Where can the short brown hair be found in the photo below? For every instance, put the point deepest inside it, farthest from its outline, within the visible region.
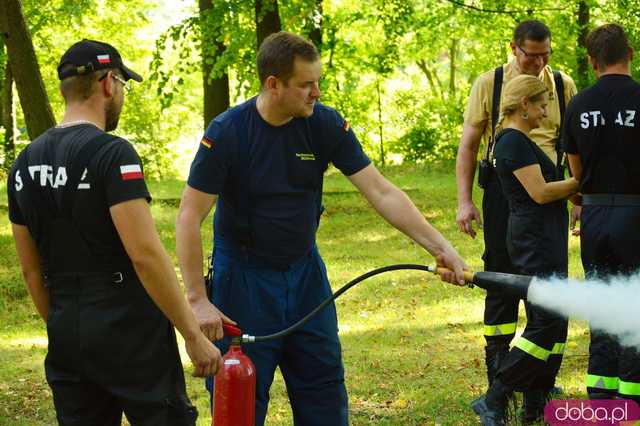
(533, 30)
(79, 88)
(608, 45)
(278, 53)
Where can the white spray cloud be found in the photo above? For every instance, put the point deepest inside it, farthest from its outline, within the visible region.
(613, 308)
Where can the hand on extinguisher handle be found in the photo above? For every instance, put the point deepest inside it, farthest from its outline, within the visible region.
(205, 357)
(442, 271)
(209, 318)
(468, 275)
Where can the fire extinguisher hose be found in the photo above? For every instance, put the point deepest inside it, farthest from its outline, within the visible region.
(249, 339)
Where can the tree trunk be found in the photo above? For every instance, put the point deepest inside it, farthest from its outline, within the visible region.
(26, 72)
(3, 65)
(267, 19)
(216, 89)
(314, 28)
(8, 117)
(453, 52)
(583, 30)
(434, 82)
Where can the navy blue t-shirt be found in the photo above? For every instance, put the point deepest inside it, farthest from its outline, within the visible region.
(286, 167)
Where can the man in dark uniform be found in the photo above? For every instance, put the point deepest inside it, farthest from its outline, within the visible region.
(531, 48)
(602, 135)
(94, 265)
(263, 162)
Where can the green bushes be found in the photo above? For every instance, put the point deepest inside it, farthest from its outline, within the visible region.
(433, 131)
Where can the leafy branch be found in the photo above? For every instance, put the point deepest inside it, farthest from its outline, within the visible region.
(528, 11)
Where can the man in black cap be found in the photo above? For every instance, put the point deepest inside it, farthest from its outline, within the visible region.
(93, 262)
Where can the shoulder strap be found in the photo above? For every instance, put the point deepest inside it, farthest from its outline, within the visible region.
(243, 226)
(32, 189)
(557, 77)
(498, 75)
(23, 166)
(80, 163)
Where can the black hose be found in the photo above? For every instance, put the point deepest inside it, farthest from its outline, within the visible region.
(333, 297)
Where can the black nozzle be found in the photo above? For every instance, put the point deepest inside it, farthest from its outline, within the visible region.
(509, 284)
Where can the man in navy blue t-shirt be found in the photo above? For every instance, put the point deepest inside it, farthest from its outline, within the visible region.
(263, 162)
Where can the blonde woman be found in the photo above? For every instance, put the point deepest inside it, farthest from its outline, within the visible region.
(537, 243)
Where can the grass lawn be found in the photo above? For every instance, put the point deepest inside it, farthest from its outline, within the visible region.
(413, 347)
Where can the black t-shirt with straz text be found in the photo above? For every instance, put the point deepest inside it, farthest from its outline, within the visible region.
(513, 151)
(113, 175)
(286, 166)
(602, 126)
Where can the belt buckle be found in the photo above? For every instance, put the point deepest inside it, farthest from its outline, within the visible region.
(118, 278)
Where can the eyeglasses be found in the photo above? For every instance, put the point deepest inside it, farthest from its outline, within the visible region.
(125, 85)
(543, 56)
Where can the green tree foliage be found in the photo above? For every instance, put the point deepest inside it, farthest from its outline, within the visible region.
(399, 71)
(56, 24)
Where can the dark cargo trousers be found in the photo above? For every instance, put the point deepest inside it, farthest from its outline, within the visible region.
(500, 311)
(609, 247)
(537, 241)
(111, 350)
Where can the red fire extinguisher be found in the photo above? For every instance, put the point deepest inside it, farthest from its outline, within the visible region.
(234, 387)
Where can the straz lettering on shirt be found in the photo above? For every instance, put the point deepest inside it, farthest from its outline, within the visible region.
(624, 118)
(43, 174)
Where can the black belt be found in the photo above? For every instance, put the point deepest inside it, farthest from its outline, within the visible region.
(108, 277)
(618, 200)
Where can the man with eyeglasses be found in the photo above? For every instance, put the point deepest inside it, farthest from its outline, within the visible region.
(531, 48)
(94, 265)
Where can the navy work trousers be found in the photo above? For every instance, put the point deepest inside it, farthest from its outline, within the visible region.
(264, 300)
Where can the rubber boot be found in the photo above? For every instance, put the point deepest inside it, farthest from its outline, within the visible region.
(533, 403)
(494, 354)
(492, 406)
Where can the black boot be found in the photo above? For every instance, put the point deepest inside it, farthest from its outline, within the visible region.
(556, 392)
(533, 403)
(494, 354)
(492, 407)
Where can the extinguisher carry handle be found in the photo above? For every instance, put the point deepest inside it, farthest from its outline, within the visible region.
(231, 330)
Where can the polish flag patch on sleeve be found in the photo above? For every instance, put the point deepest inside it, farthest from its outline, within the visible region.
(131, 171)
(104, 59)
(345, 126)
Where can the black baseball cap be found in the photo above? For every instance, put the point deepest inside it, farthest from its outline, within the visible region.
(89, 56)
